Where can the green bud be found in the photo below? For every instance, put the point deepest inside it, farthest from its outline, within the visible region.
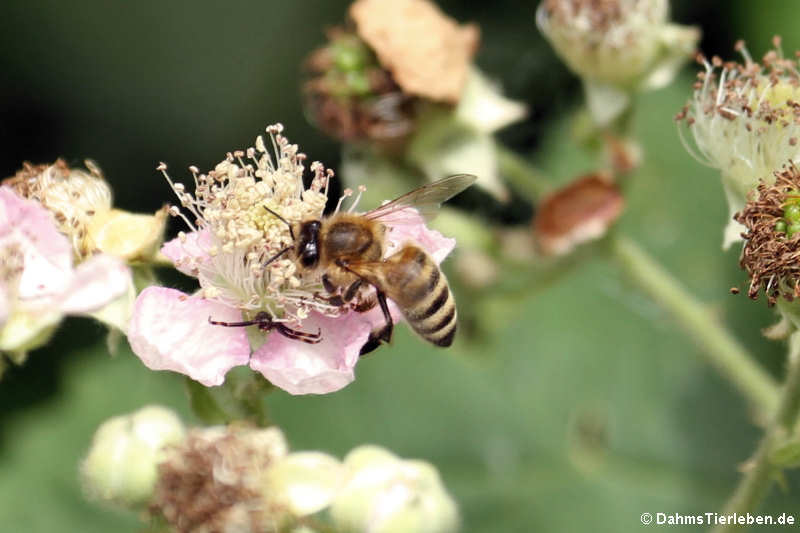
(121, 466)
(792, 212)
(780, 226)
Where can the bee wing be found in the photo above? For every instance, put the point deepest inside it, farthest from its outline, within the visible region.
(426, 199)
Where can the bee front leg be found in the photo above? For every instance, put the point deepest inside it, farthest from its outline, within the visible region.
(382, 334)
(351, 291)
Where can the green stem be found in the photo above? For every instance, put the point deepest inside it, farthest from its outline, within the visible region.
(521, 174)
(719, 346)
(761, 471)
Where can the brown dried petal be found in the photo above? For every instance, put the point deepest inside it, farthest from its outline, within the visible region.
(580, 212)
(771, 258)
(427, 52)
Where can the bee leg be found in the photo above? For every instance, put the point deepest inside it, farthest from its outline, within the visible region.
(330, 288)
(310, 338)
(382, 334)
(262, 320)
(362, 306)
(351, 291)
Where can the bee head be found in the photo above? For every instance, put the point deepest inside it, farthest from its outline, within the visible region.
(308, 243)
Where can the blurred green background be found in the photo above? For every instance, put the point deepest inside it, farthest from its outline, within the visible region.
(585, 408)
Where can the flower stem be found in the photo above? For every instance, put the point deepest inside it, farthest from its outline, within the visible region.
(719, 346)
(756, 482)
(521, 174)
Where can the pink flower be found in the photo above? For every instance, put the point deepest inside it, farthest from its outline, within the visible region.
(38, 282)
(234, 237)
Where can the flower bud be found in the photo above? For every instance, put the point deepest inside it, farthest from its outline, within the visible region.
(304, 482)
(121, 466)
(385, 494)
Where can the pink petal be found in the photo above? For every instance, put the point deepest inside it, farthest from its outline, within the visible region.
(96, 282)
(169, 330)
(301, 368)
(188, 253)
(47, 254)
(409, 226)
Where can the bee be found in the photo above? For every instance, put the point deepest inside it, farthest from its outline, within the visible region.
(347, 251)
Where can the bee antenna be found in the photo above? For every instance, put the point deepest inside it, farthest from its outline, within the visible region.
(291, 231)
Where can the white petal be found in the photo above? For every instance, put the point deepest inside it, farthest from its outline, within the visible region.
(483, 106)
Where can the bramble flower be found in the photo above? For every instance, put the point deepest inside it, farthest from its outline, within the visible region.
(745, 121)
(233, 251)
(617, 47)
(38, 282)
(121, 465)
(82, 206)
(580, 212)
(385, 494)
(771, 219)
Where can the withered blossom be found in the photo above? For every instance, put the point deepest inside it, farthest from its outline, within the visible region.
(771, 252)
(428, 53)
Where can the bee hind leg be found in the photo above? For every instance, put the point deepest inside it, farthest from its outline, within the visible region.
(382, 334)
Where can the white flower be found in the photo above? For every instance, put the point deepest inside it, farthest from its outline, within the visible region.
(745, 121)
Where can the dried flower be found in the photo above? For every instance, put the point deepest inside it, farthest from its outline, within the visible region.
(351, 97)
(771, 253)
(745, 121)
(385, 494)
(616, 46)
(580, 212)
(121, 464)
(233, 238)
(81, 204)
(214, 479)
(427, 52)
(37, 279)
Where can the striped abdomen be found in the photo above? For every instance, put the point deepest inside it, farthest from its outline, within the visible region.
(412, 279)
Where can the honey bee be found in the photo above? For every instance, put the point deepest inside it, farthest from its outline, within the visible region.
(347, 251)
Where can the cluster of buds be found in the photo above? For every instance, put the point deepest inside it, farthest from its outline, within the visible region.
(239, 478)
(237, 250)
(745, 121)
(617, 47)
